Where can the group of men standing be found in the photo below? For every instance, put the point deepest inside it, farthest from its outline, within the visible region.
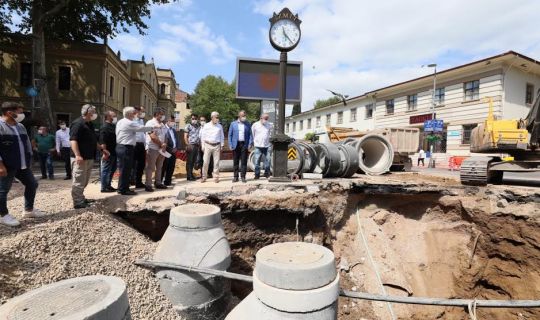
(139, 148)
(205, 141)
(128, 145)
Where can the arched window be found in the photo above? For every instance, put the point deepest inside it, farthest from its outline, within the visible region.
(162, 88)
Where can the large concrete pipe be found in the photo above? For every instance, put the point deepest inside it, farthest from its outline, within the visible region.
(195, 237)
(329, 159)
(292, 280)
(91, 297)
(349, 160)
(376, 154)
(310, 157)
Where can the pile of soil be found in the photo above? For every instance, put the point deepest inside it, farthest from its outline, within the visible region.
(73, 243)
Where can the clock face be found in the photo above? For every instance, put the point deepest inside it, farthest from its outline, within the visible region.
(285, 34)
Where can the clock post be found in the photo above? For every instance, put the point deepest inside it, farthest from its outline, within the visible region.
(284, 36)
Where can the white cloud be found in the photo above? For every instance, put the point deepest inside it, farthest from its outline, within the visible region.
(198, 34)
(167, 52)
(130, 44)
(357, 46)
(176, 8)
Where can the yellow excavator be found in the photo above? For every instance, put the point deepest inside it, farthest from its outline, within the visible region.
(518, 140)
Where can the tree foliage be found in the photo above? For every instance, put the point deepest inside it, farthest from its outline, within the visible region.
(321, 103)
(78, 20)
(296, 109)
(71, 20)
(311, 136)
(213, 93)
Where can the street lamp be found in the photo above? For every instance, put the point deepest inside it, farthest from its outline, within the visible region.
(431, 147)
(434, 66)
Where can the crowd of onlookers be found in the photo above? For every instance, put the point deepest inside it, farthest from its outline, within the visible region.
(128, 146)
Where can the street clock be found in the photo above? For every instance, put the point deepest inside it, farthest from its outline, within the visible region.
(285, 30)
(284, 36)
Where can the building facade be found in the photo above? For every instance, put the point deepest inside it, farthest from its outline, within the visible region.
(143, 85)
(509, 80)
(182, 110)
(166, 90)
(79, 73)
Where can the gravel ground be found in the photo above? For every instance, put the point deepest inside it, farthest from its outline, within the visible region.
(71, 243)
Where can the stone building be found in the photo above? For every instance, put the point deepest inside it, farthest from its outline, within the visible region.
(80, 73)
(182, 109)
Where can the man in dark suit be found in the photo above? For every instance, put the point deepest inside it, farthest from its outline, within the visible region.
(239, 141)
(172, 146)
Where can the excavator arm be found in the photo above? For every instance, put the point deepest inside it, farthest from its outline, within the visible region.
(532, 123)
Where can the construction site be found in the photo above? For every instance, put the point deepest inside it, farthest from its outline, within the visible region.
(352, 231)
(343, 223)
(398, 234)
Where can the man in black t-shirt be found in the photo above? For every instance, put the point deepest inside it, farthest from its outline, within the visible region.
(84, 145)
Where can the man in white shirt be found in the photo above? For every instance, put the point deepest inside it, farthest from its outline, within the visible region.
(212, 141)
(63, 147)
(261, 132)
(421, 157)
(155, 142)
(126, 133)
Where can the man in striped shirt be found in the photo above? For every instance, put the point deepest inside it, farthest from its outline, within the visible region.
(15, 162)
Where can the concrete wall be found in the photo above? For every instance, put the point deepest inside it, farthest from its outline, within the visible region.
(515, 83)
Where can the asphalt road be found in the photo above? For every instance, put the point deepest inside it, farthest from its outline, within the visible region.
(531, 179)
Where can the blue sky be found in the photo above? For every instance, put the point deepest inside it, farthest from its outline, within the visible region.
(349, 46)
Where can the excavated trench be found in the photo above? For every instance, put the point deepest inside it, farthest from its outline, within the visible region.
(470, 243)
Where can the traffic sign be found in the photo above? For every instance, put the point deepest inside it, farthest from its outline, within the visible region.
(292, 154)
(433, 126)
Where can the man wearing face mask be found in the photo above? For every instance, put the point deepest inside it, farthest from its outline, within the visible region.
(127, 130)
(261, 131)
(212, 139)
(139, 154)
(63, 147)
(15, 157)
(84, 145)
(192, 142)
(172, 146)
(107, 140)
(43, 144)
(239, 141)
(155, 142)
(202, 122)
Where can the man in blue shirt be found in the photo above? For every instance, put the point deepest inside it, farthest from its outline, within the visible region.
(239, 141)
(15, 157)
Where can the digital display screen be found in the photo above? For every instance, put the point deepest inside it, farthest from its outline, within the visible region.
(259, 80)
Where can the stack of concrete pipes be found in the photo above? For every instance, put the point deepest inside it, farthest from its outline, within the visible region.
(371, 154)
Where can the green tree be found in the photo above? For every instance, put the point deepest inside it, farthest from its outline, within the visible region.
(310, 136)
(213, 93)
(71, 20)
(296, 109)
(321, 103)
